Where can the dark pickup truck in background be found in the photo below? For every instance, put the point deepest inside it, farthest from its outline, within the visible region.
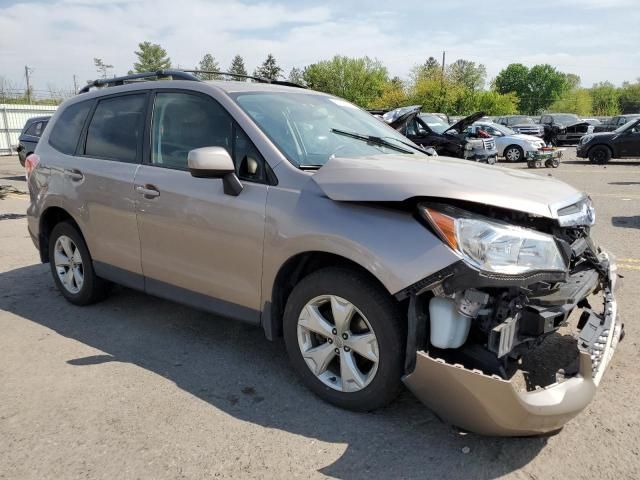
(616, 122)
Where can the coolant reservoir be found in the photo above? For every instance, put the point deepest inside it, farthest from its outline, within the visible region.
(449, 328)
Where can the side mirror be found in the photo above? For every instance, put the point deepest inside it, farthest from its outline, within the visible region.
(215, 162)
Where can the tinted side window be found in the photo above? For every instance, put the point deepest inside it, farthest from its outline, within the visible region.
(35, 130)
(182, 122)
(115, 131)
(66, 131)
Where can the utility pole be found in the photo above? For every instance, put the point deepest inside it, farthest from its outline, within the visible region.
(27, 71)
(442, 92)
(75, 84)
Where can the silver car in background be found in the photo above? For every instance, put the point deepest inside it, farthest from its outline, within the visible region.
(302, 214)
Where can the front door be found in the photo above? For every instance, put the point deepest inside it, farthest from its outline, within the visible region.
(628, 142)
(199, 245)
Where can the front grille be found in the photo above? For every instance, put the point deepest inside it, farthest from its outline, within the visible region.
(489, 144)
(528, 130)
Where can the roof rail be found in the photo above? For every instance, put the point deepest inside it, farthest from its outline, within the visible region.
(110, 82)
(252, 77)
(178, 75)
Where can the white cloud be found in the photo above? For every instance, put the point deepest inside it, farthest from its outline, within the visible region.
(60, 38)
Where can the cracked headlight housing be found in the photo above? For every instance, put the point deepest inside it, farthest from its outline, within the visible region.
(491, 245)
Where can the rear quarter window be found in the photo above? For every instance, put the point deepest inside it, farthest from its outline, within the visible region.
(67, 128)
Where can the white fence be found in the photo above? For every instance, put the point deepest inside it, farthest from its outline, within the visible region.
(13, 118)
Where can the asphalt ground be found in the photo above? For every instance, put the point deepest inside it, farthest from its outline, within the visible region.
(137, 387)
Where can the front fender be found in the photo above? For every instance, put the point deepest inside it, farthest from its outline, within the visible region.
(391, 244)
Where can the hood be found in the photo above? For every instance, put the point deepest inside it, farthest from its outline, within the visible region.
(398, 117)
(528, 138)
(460, 125)
(394, 178)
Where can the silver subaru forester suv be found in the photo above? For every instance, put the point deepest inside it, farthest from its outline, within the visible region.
(300, 213)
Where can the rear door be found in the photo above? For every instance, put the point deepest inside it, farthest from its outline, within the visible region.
(200, 246)
(101, 178)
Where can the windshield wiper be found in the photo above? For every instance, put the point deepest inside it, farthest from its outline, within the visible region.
(371, 139)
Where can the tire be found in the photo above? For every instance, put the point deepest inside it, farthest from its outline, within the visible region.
(375, 313)
(513, 153)
(91, 288)
(599, 154)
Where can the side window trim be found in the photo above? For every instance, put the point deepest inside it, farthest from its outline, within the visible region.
(82, 141)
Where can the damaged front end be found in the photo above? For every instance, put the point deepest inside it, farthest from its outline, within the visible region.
(514, 338)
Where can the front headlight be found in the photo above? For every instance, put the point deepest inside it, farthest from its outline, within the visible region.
(494, 246)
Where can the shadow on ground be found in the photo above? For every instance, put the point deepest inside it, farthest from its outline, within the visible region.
(235, 369)
(626, 222)
(629, 163)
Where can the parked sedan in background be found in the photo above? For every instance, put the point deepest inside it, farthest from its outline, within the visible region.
(521, 124)
(564, 128)
(513, 146)
(30, 136)
(616, 122)
(429, 130)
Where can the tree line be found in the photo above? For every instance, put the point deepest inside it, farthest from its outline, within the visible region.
(459, 88)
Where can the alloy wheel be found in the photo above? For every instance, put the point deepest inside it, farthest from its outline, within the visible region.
(513, 155)
(68, 262)
(337, 343)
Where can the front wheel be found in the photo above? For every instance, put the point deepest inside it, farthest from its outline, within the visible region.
(344, 336)
(514, 153)
(599, 154)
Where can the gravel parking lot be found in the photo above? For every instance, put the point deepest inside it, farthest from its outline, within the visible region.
(137, 387)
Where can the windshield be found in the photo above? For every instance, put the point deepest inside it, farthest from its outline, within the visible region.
(520, 120)
(565, 118)
(626, 126)
(311, 129)
(435, 123)
(496, 126)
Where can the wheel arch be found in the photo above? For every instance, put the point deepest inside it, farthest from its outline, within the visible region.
(606, 145)
(48, 220)
(291, 273)
(512, 145)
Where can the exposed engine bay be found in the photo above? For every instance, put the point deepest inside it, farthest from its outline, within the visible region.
(500, 325)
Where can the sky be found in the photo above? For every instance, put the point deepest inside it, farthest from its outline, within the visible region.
(596, 39)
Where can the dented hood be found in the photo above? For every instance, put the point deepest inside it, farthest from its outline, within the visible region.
(394, 178)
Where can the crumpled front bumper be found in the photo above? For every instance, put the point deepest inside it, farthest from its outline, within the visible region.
(490, 405)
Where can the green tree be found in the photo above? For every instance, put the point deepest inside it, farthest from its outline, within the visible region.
(605, 98)
(101, 67)
(237, 66)
(630, 97)
(360, 80)
(467, 73)
(269, 69)
(578, 101)
(573, 80)
(295, 76)
(537, 88)
(494, 103)
(429, 69)
(393, 95)
(151, 57)
(208, 63)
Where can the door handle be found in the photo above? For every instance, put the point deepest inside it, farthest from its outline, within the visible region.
(147, 191)
(74, 174)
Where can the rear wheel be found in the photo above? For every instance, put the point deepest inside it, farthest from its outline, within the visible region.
(344, 337)
(599, 154)
(72, 268)
(514, 153)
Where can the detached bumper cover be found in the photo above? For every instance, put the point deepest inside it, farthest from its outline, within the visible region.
(490, 405)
